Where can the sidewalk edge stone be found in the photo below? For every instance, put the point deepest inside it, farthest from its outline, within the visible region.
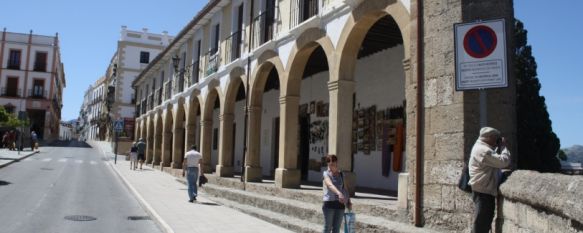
(18, 160)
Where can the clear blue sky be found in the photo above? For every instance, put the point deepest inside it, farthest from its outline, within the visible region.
(89, 31)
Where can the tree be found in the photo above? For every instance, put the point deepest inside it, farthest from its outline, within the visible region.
(537, 143)
(9, 120)
(562, 155)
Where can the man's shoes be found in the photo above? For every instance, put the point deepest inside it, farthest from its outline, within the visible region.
(190, 201)
(194, 199)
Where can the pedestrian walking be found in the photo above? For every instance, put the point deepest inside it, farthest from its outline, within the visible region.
(5, 140)
(141, 150)
(336, 197)
(33, 141)
(489, 155)
(134, 157)
(191, 166)
(12, 140)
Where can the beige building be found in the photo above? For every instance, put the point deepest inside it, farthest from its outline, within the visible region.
(363, 79)
(135, 50)
(32, 79)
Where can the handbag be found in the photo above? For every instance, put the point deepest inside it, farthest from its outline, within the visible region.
(464, 179)
(202, 180)
(349, 222)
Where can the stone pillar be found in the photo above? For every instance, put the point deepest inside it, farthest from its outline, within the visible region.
(190, 135)
(340, 128)
(166, 144)
(225, 166)
(253, 157)
(206, 140)
(149, 142)
(177, 147)
(287, 174)
(157, 145)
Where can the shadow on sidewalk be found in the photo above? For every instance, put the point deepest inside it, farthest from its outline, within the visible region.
(2, 183)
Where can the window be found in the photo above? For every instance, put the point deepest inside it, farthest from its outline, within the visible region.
(38, 88)
(215, 44)
(40, 62)
(14, 60)
(11, 88)
(144, 57)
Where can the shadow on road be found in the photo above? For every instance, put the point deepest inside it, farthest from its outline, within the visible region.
(72, 143)
(2, 183)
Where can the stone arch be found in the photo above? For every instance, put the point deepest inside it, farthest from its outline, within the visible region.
(167, 136)
(178, 143)
(158, 132)
(266, 61)
(359, 23)
(306, 43)
(150, 139)
(193, 108)
(214, 91)
(231, 92)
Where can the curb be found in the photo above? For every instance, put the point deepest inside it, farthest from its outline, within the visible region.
(18, 160)
(159, 221)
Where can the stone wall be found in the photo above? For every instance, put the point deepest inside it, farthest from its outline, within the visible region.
(541, 202)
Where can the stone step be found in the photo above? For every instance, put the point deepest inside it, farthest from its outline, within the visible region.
(285, 221)
(293, 211)
(313, 196)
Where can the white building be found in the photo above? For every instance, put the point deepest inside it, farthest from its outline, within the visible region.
(135, 50)
(67, 131)
(93, 111)
(32, 79)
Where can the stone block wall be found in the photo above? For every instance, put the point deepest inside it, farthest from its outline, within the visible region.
(541, 202)
(451, 119)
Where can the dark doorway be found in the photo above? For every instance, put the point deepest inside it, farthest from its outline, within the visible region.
(233, 146)
(37, 121)
(304, 149)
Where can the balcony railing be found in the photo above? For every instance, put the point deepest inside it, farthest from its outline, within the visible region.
(40, 66)
(38, 93)
(144, 104)
(180, 81)
(233, 50)
(168, 90)
(13, 66)
(264, 28)
(212, 62)
(194, 71)
(158, 96)
(10, 92)
(151, 101)
(302, 10)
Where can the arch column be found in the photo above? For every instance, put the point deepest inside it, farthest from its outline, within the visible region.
(177, 140)
(166, 144)
(157, 143)
(340, 130)
(253, 157)
(149, 141)
(287, 174)
(225, 166)
(206, 139)
(190, 135)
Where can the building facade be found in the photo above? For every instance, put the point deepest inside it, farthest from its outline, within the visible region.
(93, 114)
(32, 79)
(268, 88)
(135, 50)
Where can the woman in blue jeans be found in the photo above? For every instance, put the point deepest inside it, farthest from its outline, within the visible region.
(336, 197)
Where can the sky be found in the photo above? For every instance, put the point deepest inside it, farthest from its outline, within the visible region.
(89, 30)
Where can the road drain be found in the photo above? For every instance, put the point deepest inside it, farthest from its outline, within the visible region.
(80, 218)
(133, 218)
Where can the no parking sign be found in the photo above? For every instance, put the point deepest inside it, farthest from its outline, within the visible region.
(480, 55)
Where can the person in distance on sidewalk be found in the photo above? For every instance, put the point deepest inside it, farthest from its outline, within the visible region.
(191, 166)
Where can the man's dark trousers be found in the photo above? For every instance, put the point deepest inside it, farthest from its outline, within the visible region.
(484, 205)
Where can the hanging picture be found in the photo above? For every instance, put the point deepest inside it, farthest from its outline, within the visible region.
(319, 106)
(325, 109)
(312, 108)
(372, 111)
(303, 109)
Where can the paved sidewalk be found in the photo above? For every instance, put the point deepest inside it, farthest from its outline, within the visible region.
(166, 200)
(8, 157)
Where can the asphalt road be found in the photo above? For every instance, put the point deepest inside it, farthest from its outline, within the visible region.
(67, 182)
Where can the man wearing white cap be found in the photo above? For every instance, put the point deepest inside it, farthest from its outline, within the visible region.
(489, 155)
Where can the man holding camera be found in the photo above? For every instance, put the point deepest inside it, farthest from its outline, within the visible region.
(489, 155)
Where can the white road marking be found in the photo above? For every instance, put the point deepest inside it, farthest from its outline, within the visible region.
(62, 160)
(47, 160)
(78, 161)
